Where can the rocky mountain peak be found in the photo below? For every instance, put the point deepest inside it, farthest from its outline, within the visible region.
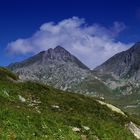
(59, 48)
(125, 64)
(56, 67)
(58, 53)
(135, 48)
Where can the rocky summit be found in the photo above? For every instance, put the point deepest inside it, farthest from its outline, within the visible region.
(56, 67)
(123, 69)
(123, 65)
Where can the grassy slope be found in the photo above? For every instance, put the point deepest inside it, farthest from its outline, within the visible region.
(6, 74)
(129, 103)
(95, 87)
(36, 118)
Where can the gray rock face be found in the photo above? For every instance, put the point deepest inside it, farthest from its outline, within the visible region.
(123, 65)
(56, 67)
(58, 54)
(121, 73)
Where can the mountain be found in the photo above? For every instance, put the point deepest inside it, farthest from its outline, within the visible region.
(58, 55)
(122, 70)
(122, 74)
(124, 65)
(58, 68)
(30, 110)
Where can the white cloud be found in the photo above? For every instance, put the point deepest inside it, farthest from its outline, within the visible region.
(92, 44)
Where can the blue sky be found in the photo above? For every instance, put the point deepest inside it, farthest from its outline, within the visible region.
(119, 20)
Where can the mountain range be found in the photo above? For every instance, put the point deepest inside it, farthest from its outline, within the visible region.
(58, 68)
(117, 80)
(45, 85)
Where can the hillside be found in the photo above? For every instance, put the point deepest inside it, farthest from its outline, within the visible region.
(37, 112)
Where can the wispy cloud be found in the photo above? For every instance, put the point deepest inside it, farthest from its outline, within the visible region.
(92, 44)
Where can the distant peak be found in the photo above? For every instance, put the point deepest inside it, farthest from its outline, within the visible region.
(58, 54)
(42, 52)
(135, 47)
(59, 48)
(137, 43)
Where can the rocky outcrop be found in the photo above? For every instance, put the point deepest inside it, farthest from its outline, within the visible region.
(134, 129)
(112, 107)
